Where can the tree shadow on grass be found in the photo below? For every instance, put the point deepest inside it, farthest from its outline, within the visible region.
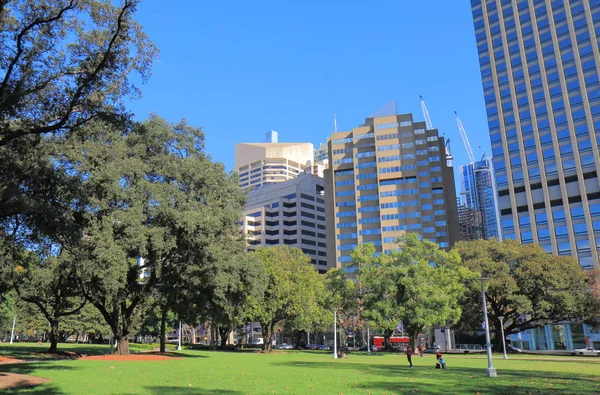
(42, 389)
(28, 351)
(460, 380)
(161, 390)
(29, 367)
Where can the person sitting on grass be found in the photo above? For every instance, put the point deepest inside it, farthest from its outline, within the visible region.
(440, 363)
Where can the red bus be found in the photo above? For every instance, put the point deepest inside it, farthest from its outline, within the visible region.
(394, 340)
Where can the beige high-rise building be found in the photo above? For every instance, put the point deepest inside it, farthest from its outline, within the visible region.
(260, 164)
(387, 178)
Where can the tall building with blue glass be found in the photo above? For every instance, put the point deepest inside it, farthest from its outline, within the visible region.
(478, 193)
(539, 65)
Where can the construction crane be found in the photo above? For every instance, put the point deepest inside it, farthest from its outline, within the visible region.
(465, 139)
(428, 123)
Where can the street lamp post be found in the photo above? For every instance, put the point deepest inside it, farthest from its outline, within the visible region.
(335, 334)
(12, 332)
(501, 318)
(368, 340)
(179, 340)
(490, 371)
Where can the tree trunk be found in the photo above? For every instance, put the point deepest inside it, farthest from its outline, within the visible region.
(53, 337)
(299, 339)
(163, 329)
(498, 336)
(224, 333)
(122, 346)
(268, 337)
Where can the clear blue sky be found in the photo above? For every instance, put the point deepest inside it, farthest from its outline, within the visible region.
(240, 68)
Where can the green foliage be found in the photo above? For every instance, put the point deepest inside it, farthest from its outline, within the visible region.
(527, 286)
(294, 292)
(420, 285)
(150, 193)
(64, 63)
(51, 285)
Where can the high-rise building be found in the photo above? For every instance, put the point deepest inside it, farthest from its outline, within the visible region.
(387, 178)
(260, 164)
(289, 213)
(321, 155)
(469, 223)
(539, 65)
(478, 192)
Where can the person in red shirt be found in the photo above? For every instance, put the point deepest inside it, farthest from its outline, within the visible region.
(409, 355)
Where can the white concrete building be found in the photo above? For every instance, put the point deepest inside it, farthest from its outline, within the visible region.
(260, 164)
(289, 213)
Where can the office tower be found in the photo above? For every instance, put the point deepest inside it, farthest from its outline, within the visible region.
(539, 65)
(289, 213)
(469, 223)
(478, 192)
(321, 155)
(387, 178)
(260, 164)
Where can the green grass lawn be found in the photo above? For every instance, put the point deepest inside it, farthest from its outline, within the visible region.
(228, 373)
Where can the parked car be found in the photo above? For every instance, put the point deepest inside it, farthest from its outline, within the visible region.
(284, 346)
(312, 346)
(587, 351)
(430, 350)
(323, 347)
(258, 340)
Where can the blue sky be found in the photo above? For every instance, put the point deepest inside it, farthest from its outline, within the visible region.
(240, 69)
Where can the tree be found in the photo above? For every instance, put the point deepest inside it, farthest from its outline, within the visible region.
(291, 293)
(420, 286)
(237, 278)
(149, 192)
(63, 64)
(51, 285)
(66, 62)
(527, 286)
(343, 295)
(592, 301)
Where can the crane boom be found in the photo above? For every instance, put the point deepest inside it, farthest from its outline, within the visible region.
(465, 139)
(428, 122)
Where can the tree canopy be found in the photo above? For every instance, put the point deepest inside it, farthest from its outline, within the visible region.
(419, 285)
(527, 286)
(292, 293)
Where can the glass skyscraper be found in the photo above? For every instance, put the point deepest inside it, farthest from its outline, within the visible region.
(478, 193)
(539, 65)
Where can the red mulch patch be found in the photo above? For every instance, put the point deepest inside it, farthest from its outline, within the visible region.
(133, 357)
(8, 360)
(12, 380)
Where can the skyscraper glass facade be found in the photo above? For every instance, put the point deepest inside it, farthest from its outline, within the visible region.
(479, 193)
(539, 65)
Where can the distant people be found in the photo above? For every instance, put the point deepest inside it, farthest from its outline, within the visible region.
(409, 355)
(440, 363)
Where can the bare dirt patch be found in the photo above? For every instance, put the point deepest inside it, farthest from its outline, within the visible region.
(129, 358)
(13, 380)
(4, 360)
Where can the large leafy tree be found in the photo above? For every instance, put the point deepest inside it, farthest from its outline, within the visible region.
(50, 284)
(527, 286)
(292, 291)
(236, 278)
(149, 192)
(420, 285)
(64, 63)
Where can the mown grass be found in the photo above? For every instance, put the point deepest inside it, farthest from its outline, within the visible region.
(228, 373)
